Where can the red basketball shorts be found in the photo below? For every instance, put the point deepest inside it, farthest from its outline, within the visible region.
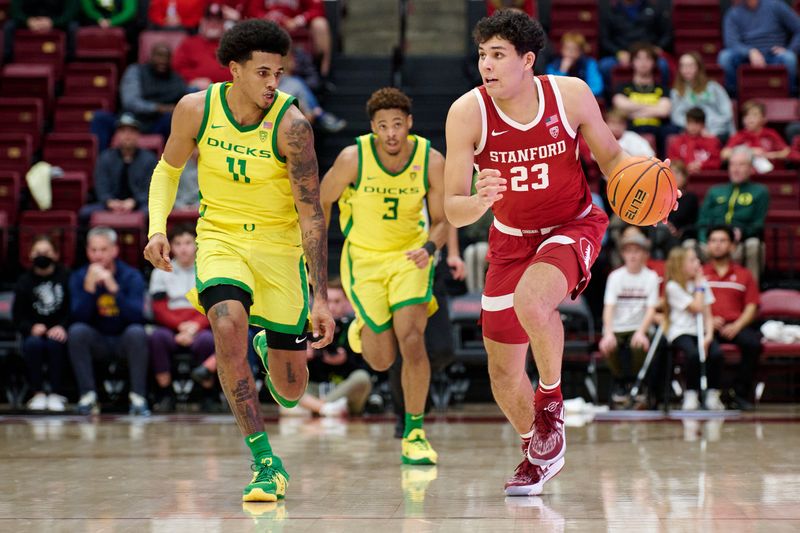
(572, 248)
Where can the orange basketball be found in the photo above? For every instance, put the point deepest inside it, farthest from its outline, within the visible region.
(642, 191)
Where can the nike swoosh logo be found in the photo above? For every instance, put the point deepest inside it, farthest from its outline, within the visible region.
(298, 340)
(255, 438)
(495, 133)
(215, 126)
(417, 417)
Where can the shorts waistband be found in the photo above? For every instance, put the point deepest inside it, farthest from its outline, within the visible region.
(517, 232)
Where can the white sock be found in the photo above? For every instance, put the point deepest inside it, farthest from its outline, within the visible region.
(527, 435)
(548, 388)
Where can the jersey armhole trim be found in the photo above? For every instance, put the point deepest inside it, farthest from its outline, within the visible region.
(426, 179)
(360, 161)
(289, 101)
(484, 125)
(206, 112)
(560, 103)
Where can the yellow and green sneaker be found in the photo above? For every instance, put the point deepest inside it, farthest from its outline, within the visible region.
(260, 346)
(417, 450)
(269, 481)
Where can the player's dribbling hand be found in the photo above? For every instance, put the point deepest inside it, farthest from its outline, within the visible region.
(668, 162)
(157, 252)
(490, 187)
(322, 324)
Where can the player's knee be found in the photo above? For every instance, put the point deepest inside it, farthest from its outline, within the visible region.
(227, 328)
(380, 362)
(502, 377)
(533, 313)
(412, 343)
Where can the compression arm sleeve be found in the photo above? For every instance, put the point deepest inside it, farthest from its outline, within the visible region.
(163, 188)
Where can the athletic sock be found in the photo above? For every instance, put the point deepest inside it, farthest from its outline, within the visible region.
(259, 445)
(547, 392)
(413, 422)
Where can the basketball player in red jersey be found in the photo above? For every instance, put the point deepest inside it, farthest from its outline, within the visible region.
(519, 131)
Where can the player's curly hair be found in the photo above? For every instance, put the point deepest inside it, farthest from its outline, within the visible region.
(524, 32)
(388, 98)
(254, 35)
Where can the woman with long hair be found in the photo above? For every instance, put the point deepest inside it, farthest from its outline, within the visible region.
(687, 293)
(692, 88)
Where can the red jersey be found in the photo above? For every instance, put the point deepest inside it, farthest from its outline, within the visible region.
(690, 148)
(546, 186)
(732, 291)
(767, 139)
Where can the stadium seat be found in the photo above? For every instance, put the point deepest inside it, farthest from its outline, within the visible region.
(23, 115)
(131, 229)
(182, 216)
(783, 305)
(763, 82)
(576, 15)
(60, 225)
(147, 39)
(5, 228)
(70, 191)
(780, 111)
(153, 142)
(93, 43)
(16, 152)
(706, 42)
(5, 11)
(9, 195)
(23, 80)
(784, 189)
(700, 182)
(71, 151)
(92, 79)
(715, 72)
(74, 113)
(782, 239)
(47, 48)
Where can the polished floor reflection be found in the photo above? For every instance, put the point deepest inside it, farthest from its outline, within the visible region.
(186, 474)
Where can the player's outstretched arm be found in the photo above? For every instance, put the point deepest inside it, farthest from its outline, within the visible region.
(463, 131)
(296, 142)
(186, 120)
(343, 173)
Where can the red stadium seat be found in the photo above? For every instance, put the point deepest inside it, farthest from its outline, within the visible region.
(5, 229)
(715, 72)
(782, 239)
(16, 152)
(71, 151)
(23, 115)
(579, 16)
(182, 216)
(92, 79)
(784, 305)
(784, 189)
(102, 44)
(153, 142)
(780, 110)
(147, 39)
(764, 82)
(706, 42)
(70, 191)
(700, 182)
(131, 230)
(9, 195)
(47, 48)
(74, 113)
(23, 80)
(60, 225)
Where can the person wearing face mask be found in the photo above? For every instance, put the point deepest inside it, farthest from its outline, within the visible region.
(41, 313)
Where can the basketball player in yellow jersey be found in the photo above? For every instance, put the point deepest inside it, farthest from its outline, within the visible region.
(382, 183)
(259, 213)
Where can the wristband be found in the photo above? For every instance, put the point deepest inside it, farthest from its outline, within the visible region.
(700, 289)
(430, 247)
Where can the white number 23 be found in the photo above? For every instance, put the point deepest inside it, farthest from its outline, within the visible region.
(520, 176)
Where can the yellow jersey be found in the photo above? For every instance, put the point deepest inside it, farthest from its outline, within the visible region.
(243, 181)
(385, 211)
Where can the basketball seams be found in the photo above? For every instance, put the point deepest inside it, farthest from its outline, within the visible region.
(633, 185)
(655, 195)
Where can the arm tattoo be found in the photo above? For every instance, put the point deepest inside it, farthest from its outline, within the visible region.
(304, 173)
(221, 310)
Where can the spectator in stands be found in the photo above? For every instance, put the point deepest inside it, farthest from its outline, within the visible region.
(766, 143)
(695, 147)
(295, 15)
(122, 174)
(630, 304)
(150, 91)
(176, 14)
(575, 61)
(107, 303)
(759, 32)
(110, 13)
(687, 293)
(526, 6)
(644, 101)
(179, 326)
(692, 88)
(42, 16)
(232, 11)
(630, 141)
(628, 22)
(734, 311)
(309, 105)
(741, 204)
(683, 221)
(188, 195)
(195, 59)
(41, 314)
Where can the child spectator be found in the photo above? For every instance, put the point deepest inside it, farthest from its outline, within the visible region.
(687, 293)
(574, 61)
(692, 88)
(178, 325)
(630, 141)
(698, 150)
(765, 142)
(41, 314)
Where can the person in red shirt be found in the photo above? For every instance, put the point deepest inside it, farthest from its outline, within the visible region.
(734, 310)
(177, 14)
(294, 15)
(195, 59)
(765, 142)
(697, 149)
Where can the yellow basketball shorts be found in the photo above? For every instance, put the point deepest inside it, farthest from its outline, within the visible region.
(380, 283)
(273, 274)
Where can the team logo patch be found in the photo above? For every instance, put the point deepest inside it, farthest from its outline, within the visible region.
(554, 131)
(413, 176)
(263, 135)
(587, 251)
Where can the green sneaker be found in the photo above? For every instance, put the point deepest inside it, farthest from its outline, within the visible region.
(417, 450)
(260, 346)
(269, 481)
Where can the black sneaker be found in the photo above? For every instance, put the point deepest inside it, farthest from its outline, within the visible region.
(165, 405)
(738, 402)
(201, 374)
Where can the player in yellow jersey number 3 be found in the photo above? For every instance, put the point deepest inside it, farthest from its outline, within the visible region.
(260, 221)
(382, 183)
